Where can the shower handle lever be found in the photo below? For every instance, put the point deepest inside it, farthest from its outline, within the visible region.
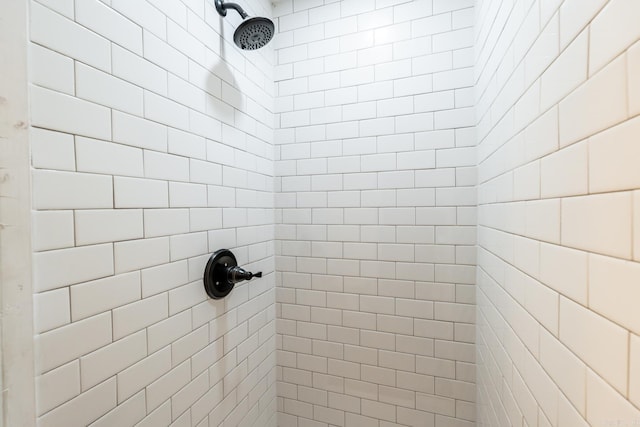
(238, 274)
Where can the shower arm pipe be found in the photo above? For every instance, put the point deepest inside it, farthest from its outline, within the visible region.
(222, 7)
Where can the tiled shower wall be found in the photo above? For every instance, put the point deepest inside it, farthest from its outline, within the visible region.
(558, 99)
(375, 197)
(151, 148)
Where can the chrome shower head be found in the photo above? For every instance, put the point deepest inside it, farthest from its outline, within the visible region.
(252, 33)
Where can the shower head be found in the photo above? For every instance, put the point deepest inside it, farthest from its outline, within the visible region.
(252, 33)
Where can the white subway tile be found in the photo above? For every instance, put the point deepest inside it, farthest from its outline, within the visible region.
(356, 41)
(396, 179)
(293, 86)
(66, 190)
(324, 13)
(463, 18)
(454, 79)
(564, 270)
(52, 230)
(459, 196)
(52, 150)
(435, 178)
(163, 110)
(83, 409)
(393, 70)
(167, 385)
(566, 73)
(137, 254)
(109, 360)
(163, 278)
(63, 7)
(541, 137)
(144, 14)
(375, 55)
(596, 105)
(634, 369)
(436, 216)
(100, 226)
(636, 226)
(633, 71)
(526, 182)
(104, 89)
(182, 40)
(108, 158)
(68, 38)
(457, 118)
(395, 107)
(603, 400)
(51, 310)
(374, 91)
(140, 193)
(165, 166)
(137, 70)
(413, 85)
(412, 10)
(455, 389)
(187, 195)
(543, 219)
(565, 368)
(574, 16)
(91, 298)
(51, 69)
(611, 32)
(542, 303)
(439, 23)
(201, 219)
(603, 345)
(434, 101)
(64, 344)
(127, 413)
(57, 386)
(143, 373)
(441, 6)
(599, 223)
(565, 173)
(355, 7)
(186, 397)
(139, 132)
(100, 18)
(165, 56)
(138, 315)
(433, 366)
(610, 155)
(55, 269)
(453, 40)
(414, 122)
(57, 111)
(612, 290)
(162, 222)
(169, 330)
(205, 172)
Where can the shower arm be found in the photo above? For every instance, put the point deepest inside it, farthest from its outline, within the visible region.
(222, 6)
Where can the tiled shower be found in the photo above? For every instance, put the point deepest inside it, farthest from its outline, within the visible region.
(443, 197)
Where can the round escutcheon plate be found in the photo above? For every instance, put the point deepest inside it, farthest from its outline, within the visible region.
(216, 281)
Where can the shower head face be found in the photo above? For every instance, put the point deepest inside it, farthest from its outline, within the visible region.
(254, 33)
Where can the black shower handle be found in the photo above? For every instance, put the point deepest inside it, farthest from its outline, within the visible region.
(222, 273)
(238, 274)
